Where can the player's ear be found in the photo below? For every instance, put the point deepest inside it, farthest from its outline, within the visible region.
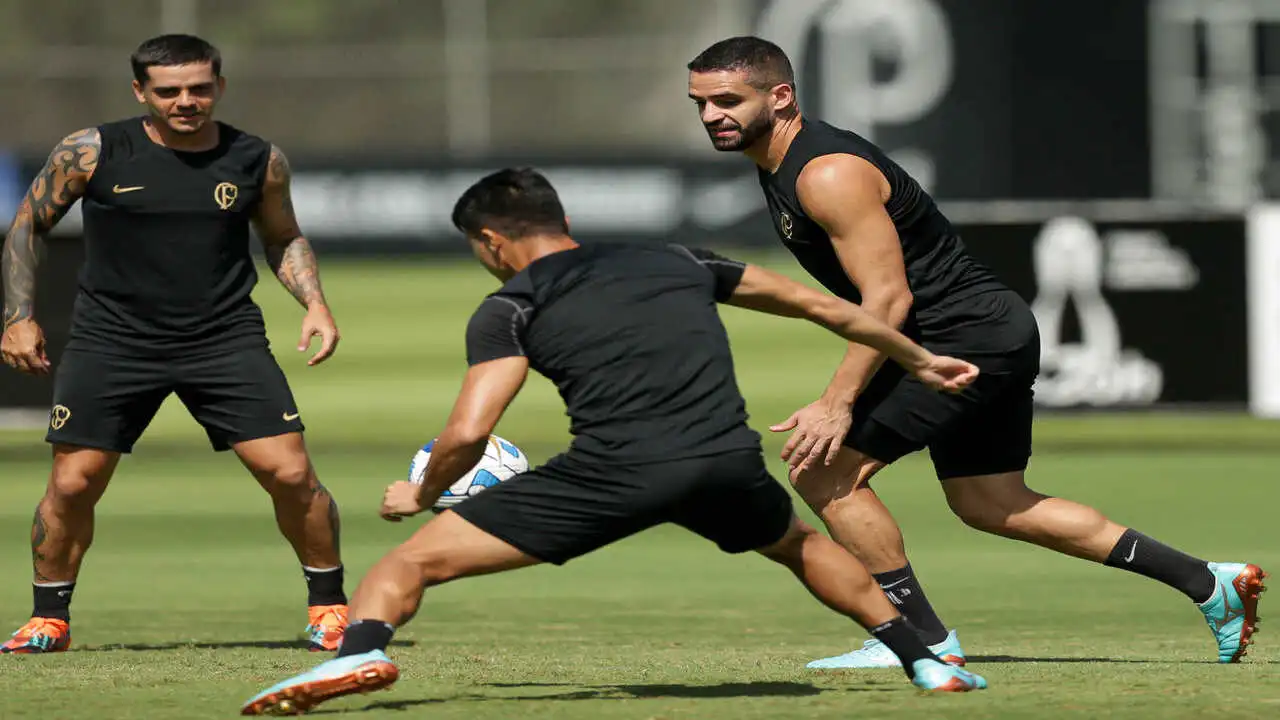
(492, 241)
(222, 85)
(567, 226)
(137, 92)
(782, 96)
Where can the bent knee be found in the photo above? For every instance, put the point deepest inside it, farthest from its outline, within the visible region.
(824, 485)
(434, 566)
(986, 519)
(71, 487)
(791, 546)
(79, 477)
(288, 476)
(990, 506)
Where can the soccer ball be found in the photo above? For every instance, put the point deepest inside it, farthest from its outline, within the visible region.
(501, 462)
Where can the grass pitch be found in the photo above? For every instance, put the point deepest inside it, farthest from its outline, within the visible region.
(189, 602)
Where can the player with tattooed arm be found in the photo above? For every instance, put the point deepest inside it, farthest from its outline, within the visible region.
(164, 307)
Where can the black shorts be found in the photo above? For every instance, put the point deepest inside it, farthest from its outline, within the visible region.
(984, 430)
(106, 401)
(573, 505)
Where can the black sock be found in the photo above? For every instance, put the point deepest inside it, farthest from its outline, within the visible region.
(904, 641)
(324, 587)
(364, 636)
(52, 600)
(905, 593)
(1138, 553)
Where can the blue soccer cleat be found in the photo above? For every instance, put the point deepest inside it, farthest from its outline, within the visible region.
(361, 673)
(875, 654)
(936, 677)
(1232, 609)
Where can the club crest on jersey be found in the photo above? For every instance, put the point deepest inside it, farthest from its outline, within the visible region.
(785, 224)
(59, 416)
(225, 195)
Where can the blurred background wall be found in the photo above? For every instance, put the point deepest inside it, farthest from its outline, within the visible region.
(1165, 98)
(1150, 122)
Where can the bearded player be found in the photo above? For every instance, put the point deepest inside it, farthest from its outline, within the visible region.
(869, 233)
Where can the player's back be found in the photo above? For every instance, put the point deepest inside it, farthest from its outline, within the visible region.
(167, 260)
(632, 338)
(940, 271)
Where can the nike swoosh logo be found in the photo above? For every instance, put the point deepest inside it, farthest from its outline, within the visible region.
(1131, 551)
(288, 418)
(895, 582)
(117, 189)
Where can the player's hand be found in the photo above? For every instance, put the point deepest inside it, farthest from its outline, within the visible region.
(319, 321)
(23, 348)
(820, 429)
(948, 374)
(400, 501)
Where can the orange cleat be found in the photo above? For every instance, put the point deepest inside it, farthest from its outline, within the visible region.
(1232, 610)
(326, 625)
(39, 635)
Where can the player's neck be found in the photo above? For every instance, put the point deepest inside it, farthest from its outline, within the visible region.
(769, 152)
(206, 138)
(528, 250)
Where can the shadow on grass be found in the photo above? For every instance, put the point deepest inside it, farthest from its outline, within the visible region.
(1125, 661)
(622, 692)
(217, 645)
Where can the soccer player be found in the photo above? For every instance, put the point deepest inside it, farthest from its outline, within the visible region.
(632, 338)
(164, 307)
(869, 233)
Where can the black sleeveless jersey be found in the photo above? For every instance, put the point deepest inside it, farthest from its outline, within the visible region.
(940, 271)
(167, 265)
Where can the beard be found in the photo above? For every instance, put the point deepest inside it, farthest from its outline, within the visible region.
(745, 137)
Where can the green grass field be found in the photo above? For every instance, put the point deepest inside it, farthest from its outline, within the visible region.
(189, 602)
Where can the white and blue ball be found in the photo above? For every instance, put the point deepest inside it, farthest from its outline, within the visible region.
(502, 461)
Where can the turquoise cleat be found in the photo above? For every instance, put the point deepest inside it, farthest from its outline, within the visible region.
(874, 654)
(1232, 610)
(937, 677)
(331, 679)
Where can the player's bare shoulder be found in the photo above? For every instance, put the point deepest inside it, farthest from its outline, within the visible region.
(278, 170)
(841, 175)
(275, 218)
(77, 154)
(64, 177)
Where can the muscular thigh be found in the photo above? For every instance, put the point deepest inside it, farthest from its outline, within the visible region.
(572, 506)
(105, 402)
(733, 501)
(898, 414)
(994, 438)
(237, 396)
(564, 509)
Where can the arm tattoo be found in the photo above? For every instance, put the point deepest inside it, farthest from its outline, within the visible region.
(295, 265)
(288, 253)
(55, 189)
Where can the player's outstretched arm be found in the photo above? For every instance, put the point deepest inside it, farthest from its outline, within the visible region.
(766, 291)
(487, 390)
(846, 195)
(291, 258)
(55, 189)
(498, 368)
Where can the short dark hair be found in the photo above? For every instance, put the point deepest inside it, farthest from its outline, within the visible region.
(173, 50)
(517, 202)
(767, 64)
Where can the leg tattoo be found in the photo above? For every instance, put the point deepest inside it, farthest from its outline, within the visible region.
(39, 531)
